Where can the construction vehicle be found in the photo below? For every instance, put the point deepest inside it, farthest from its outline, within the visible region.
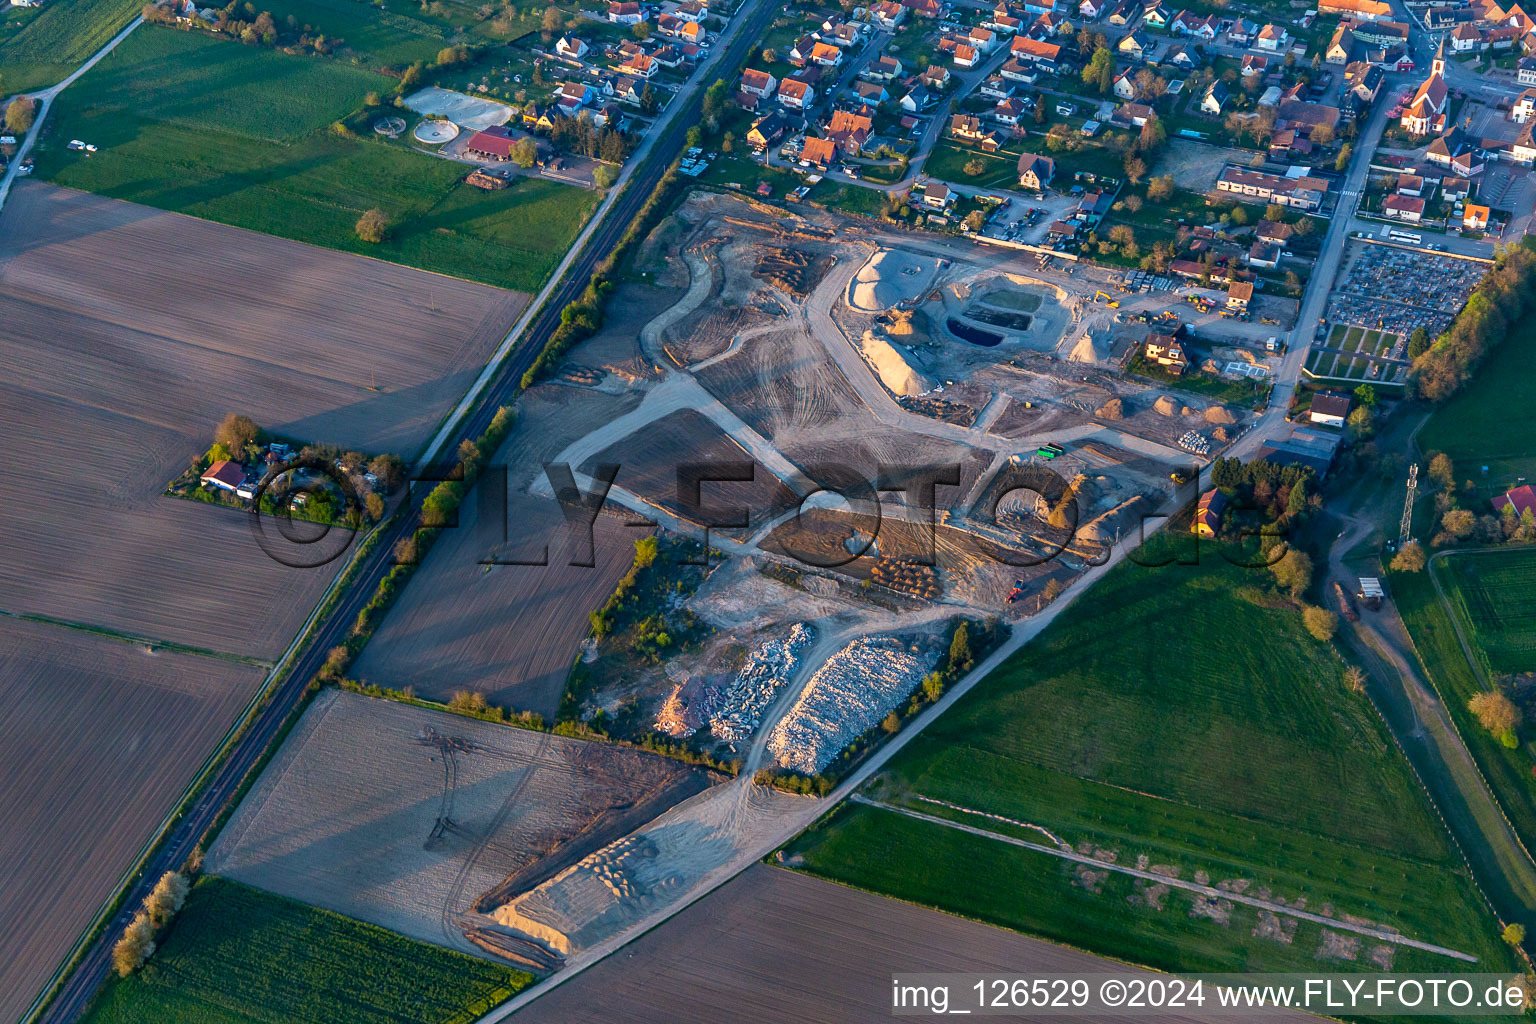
(1268, 320)
(1112, 303)
(1050, 451)
(1179, 477)
(1017, 591)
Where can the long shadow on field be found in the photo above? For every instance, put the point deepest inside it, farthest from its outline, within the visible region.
(33, 201)
(404, 410)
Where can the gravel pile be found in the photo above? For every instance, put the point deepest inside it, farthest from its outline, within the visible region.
(766, 671)
(849, 694)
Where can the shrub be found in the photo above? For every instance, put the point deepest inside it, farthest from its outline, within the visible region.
(1410, 558)
(1496, 712)
(1320, 622)
(373, 226)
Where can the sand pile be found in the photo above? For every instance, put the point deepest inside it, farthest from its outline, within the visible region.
(893, 370)
(1085, 351)
(1187, 410)
(1164, 406)
(1116, 521)
(1114, 409)
(900, 325)
(890, 276)
(1219, 414)
(1220, 434)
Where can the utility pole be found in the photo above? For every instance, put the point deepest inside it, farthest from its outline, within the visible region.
(1406, 529)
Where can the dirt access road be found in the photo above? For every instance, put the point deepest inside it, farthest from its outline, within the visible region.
(1418, 719)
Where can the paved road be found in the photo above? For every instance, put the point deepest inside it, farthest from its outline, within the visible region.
(503, 382)
(45, 101)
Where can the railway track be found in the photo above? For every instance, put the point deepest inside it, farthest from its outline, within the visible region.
(75, 993)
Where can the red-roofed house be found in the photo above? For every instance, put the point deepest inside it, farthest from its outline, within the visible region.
(759, 83)
(1522, 499)
(227, 475)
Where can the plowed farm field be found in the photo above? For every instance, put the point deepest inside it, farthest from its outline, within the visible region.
(412, 819)
(97, 739)
(772, 945)
(127, 334)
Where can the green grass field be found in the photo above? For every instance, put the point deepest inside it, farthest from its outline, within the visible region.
(1174, 714)
(380, 37)
(42, 46)
(947, 163)
(1475, 427)
(1434, 639)
(244, 136)
(1495, 595)
(236, 955)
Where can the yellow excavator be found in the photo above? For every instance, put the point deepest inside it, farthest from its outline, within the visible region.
(1110, 302)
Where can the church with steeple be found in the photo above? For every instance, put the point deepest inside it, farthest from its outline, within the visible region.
(1426, 113)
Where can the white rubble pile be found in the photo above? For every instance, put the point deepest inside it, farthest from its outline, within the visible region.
(850, 693)
(766, 671)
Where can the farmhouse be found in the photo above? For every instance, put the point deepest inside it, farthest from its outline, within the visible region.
(224, 474)
(1208, 513)
(1239, 294)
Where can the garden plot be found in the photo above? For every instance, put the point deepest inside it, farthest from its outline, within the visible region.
(411, 819)
(851, 692)
(117, 375)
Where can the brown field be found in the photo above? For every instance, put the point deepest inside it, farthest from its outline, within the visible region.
(780, 383)
(772, 945)
(97, 738)
(410, 818)
(508, 631)
(127, 334)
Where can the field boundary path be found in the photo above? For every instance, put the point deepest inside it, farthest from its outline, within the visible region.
(45, 98)
(1384, 934)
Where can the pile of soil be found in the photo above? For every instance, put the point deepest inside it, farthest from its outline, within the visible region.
(1114, 409)
(1219, 414)
(1164, 406)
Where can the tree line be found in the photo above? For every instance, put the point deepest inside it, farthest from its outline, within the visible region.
(1507, 294)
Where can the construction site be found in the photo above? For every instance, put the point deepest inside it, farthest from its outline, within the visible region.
(862, 439)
